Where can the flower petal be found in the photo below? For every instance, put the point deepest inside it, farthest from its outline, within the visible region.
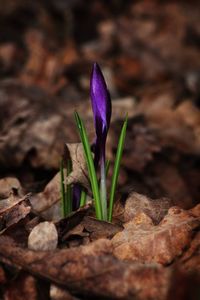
(100, 98)
(101, 106)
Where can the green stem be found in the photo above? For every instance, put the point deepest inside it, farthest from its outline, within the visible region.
(116, 167)
(62, 190)
(103, 192)
(90, 164)
(83, 198)
(68, 189)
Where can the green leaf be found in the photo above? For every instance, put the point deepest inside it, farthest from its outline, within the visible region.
(107, 166)
(83, 197)
(62, 190)
(90, 164)
(68, 189)
(116, 167)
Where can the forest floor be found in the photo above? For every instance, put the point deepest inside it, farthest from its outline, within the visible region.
(149, 54)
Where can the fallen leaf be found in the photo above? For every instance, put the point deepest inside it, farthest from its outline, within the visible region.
(12, 210)
(190, 261)
(142, 145)
(8, 186)
(21, 288)
(66, 225)
(156, 209)
(34, 126)
(77, 231)
(91, 270)
(100, 229)
(2, 276)
(79, 172)
(173, 184)
(163, 243)
(51, 195)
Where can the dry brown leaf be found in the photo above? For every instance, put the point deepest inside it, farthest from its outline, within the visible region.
(176, 127)
(79, 172)
(22, 288)
(142, 241)
(91, 270)
(141, 143)
(34, 126)
(7, 204)
(100, 229)
(2, 276)
(173, 184)
(8, 186)
(51, 195)
(12, 210)
(77, 231)
(11, 193)
(156, 209)
(72, 223)
(190, 261)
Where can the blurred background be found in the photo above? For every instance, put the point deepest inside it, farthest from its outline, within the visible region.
(149, 54)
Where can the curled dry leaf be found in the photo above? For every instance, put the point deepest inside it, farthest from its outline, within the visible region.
(10, 185)
(12, 210)
(156, 209)
(77, 231)
(178, 126)
(91, 270)
(43, 237)
(34, 125)
(51, 194)
(79, 167)
(11, 193)
(100, 229)
(142, 241)
(66, 225)
(190, 261)
(52, 213)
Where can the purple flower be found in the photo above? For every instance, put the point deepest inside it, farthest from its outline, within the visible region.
(101, 106)
(76, 195)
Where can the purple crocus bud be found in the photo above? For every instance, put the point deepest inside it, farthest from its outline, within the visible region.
(101, 106)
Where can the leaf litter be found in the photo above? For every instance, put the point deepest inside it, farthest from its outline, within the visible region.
(150, 52)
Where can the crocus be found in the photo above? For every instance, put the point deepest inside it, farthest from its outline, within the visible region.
(76, 195)
(101, 106)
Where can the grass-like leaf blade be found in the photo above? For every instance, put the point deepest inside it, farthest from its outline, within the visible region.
(83, 198)
(62, 190)
(107, 166)
(90, 164)
(68, 189)
(116, 168)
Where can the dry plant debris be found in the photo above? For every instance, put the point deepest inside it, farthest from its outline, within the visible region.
(143, 241)
(149, 53)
